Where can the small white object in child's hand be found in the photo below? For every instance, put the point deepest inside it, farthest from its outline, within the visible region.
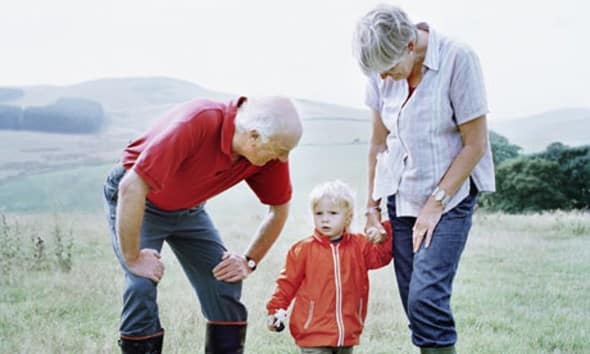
(373, 233)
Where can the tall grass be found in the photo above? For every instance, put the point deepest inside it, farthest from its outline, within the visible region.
(522, 287)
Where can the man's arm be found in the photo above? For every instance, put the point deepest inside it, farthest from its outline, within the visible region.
(130, 208)
(233, 266)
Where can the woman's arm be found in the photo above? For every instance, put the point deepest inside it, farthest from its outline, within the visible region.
(377, 144)
(474, 136)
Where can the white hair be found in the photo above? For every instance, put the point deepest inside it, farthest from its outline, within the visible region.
(336, 192)
(269, 116)
(381, 38)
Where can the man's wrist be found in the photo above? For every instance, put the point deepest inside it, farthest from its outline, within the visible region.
(251, 263)
(130, 257)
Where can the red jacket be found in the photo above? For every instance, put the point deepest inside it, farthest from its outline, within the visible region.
(329, 285)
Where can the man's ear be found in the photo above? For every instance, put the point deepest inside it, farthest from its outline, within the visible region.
(253, 136)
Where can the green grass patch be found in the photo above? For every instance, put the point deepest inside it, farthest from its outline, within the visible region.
(516, 291)
(78, 189)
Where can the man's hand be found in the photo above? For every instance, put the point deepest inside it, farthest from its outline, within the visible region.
(426, 222)
(232, 268)
(148, 265)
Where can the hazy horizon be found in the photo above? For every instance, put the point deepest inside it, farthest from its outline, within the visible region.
(531, 52)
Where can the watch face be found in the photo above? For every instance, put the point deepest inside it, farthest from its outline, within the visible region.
(439, 195)
(251, 264)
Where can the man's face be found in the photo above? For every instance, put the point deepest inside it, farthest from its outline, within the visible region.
(260, 153)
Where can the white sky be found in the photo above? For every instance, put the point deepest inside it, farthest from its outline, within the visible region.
(535, 54)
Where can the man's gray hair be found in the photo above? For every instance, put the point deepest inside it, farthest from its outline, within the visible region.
(269, 116)
(381, 38)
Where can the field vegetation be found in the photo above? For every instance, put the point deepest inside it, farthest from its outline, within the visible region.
(522, 286)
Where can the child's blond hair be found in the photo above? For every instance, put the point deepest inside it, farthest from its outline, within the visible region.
(336, 191)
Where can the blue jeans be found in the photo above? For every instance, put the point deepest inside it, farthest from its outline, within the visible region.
(425, 278)
(198, 247)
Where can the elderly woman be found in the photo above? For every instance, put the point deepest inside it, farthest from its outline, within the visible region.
(429, 156)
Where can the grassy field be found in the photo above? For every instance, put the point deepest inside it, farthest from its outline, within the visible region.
(522, 287)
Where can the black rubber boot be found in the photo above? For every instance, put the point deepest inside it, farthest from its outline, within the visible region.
(441, 350)
(225, 338)
(151, 345)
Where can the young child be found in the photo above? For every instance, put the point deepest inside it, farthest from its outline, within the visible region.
(326, 276)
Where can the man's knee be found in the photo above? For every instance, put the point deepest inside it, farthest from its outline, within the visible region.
(140, 289)
(224, 304)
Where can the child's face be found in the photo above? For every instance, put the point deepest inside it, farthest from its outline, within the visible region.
(331, 218)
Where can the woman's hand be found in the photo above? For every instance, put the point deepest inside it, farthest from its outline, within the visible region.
(373, 227)
(428, 218)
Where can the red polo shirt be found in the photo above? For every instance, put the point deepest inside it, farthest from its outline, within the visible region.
(186, 158)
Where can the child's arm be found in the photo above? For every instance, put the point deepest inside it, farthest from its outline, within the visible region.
(287, 284)
(380, 254)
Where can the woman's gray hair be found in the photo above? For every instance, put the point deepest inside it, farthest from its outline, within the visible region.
(381, 38)
(269, 116)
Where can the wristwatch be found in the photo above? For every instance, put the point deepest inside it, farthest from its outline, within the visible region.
(251, 263)
(441, 196)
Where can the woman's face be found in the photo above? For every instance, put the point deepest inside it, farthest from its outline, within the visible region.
(401, 70)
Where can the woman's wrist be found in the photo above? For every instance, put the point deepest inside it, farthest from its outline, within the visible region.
(373, 210)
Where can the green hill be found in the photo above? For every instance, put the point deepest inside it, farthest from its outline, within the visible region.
(41, 171)
(570, 126)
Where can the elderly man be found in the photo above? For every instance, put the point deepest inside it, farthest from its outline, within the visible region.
(156, 194)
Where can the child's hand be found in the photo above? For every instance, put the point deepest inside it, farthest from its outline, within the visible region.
(276, 322)
(373, 227)
(374, 235)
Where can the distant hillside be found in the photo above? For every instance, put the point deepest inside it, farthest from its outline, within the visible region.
(132, 104)
(40, 171)
(533, 133)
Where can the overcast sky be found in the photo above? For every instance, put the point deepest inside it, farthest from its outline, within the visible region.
(535, 55)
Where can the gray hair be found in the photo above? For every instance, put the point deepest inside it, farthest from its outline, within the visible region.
(269, 116)
(336, 192)
(381, 38)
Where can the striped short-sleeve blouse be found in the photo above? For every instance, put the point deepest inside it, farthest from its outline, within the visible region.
(423, 137)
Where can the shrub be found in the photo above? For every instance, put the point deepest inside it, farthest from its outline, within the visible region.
(10, 117)
(67, 115)
(527, 184)
(33, 256)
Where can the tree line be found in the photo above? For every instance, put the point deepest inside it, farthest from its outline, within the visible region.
(66, 115)
(557, 178)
